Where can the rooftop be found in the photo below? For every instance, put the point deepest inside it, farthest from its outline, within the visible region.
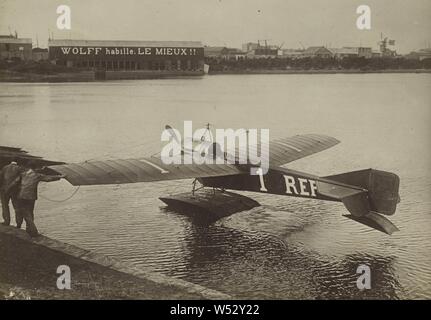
(123, 43)
(314, 50)
(344, 50)
(40, 50)
(15, 40)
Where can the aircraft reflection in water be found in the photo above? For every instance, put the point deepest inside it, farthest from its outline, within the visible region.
(289, 271)
(367, 194)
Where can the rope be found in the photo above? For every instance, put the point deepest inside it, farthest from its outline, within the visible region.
(64, 200)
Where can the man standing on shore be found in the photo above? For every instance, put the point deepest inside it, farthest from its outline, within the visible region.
(9, 190)
(27, 194)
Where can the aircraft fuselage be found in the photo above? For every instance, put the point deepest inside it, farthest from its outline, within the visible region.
(282, 181)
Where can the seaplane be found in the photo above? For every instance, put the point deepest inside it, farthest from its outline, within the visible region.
(368, 195)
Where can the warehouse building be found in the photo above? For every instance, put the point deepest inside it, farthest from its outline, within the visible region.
(155, 56)
(420, 55)
(224, 53)
(352, 52)
(40, 54)
(12, 47)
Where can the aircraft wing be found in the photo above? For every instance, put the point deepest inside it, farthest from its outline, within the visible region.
(138, 170)
(285, 150)
(8, 154)
(281, 151)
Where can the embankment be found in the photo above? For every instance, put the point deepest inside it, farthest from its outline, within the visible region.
(28, 270)
(11, 76)
(316, 71)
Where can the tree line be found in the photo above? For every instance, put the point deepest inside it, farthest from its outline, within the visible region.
(316, 63)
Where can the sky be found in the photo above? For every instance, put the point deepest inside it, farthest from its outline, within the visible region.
(291, 23)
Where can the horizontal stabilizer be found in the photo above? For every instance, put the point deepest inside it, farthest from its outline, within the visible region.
(375, 221)
(379, 192)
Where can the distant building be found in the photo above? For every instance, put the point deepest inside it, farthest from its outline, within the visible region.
(420, 55)
(235, 54)
(13, 47)
(224, 53)
(292, 53)
(151, 56)
(260, 53)
(320, 52)
(250, 46)
(366, 52)
(341, 53)
(347, 52)
(384, 50)
(265, 52)
(39, 54)
(258, 50)
(389, 53)
(376, 54)
(215, 52)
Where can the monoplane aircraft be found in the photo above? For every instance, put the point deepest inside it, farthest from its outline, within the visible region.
(367, 194)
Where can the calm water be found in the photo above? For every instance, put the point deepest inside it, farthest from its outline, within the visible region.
(287, 248)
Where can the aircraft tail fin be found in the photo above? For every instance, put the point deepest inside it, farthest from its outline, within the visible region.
(382, 188)
(379, 195)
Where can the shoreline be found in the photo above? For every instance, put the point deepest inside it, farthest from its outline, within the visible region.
(28, 271)
(11, 76)
(90, 76)
(317, 71)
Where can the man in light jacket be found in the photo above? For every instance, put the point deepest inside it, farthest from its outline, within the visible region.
(27, 195)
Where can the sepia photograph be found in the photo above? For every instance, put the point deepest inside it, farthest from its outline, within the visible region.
(215, 154)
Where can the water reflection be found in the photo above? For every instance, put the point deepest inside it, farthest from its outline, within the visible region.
(259, 265)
